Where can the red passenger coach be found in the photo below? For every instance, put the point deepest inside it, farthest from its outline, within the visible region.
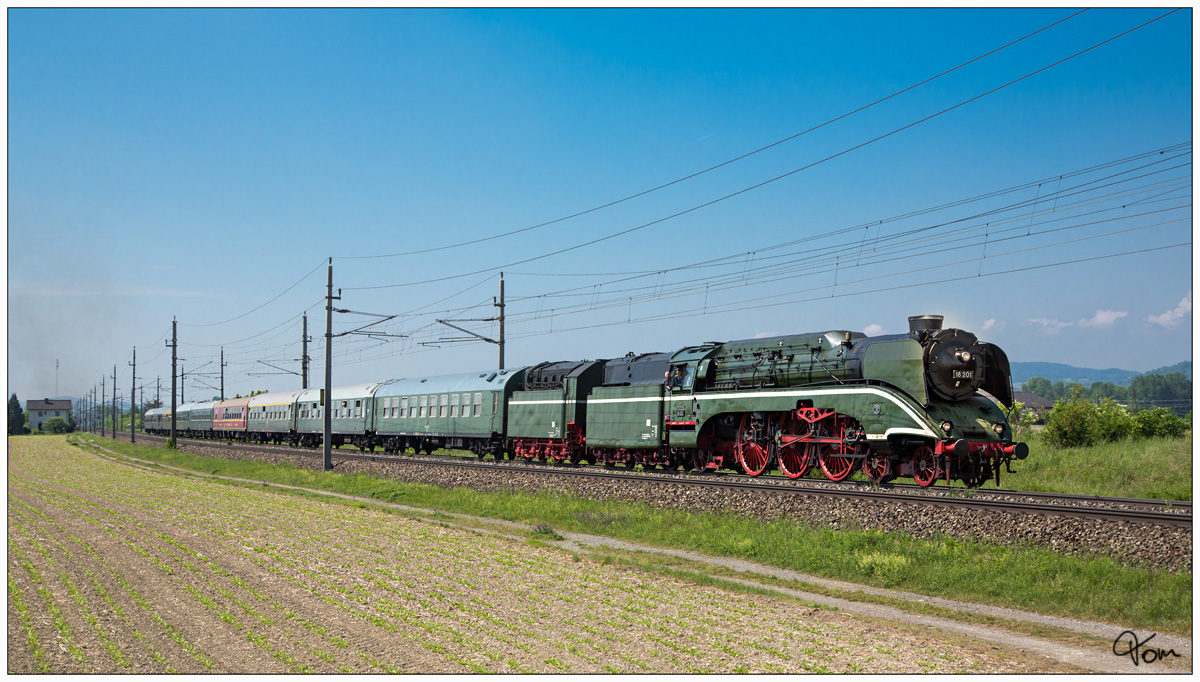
(229, 417)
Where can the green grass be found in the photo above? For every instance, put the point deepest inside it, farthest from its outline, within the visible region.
(1154, 468)
(1033, 579)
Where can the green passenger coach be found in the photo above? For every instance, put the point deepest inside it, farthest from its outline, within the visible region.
(465, 411)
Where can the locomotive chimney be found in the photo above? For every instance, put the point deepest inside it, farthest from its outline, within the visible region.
(918, 323)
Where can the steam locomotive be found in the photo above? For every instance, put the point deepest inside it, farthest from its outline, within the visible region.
(925, 405)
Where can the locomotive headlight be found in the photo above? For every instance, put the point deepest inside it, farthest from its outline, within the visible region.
(947, 426)
(999, 429)
(964, 356)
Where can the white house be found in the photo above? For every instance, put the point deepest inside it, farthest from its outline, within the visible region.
(42, 410)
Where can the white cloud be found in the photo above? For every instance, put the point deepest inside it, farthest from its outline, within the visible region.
(766, 335)
(1172, 317)
(988, 324)
(873, 330)
(1103, 318)
(1051, 326)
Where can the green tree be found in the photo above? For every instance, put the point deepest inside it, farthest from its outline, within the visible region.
(1103, 389)
(1038, 385)
(1172, 391)
(16, 416)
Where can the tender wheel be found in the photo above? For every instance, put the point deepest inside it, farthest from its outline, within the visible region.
(748, 451)
(796, 458)
(702, 459)
(924, 466)
(877, 468)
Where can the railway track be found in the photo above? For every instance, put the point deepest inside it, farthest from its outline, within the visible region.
(1095, 507)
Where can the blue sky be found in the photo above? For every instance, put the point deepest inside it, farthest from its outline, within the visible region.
(205, 164)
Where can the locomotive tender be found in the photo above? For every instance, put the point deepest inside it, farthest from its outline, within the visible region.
(908, 405)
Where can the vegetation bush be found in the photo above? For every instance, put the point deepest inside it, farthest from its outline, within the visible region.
(56, 425)
(1159, 422)
(1079, 422)
(1020, 420)
(1069, 424)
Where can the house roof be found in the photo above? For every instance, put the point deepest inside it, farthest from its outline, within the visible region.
(1031, 399)
(47, 404)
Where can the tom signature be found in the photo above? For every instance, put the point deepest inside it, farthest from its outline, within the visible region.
(1127, 644)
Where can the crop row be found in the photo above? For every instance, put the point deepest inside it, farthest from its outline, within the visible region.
(226, 578)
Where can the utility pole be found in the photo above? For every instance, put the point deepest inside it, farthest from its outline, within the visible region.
(500, 305)
(114, 410)
(327, 399)
(222, 372)
(158, 390)
(174, 356)
(182, 385)
(304, 339)
(132, 393)
(103, 393)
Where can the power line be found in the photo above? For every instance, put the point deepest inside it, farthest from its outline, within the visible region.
(273, 299)
(724, 163)
(809, 252)
(693, 209)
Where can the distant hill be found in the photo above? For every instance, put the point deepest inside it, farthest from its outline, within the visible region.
(1184, 368)
(1023, 371)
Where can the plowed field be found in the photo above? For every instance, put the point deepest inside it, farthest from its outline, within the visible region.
(116, 569)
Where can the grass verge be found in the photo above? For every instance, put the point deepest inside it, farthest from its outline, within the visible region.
(1154, 468)
(1031, 579)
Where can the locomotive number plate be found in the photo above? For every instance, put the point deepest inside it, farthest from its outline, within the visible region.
(964, 374)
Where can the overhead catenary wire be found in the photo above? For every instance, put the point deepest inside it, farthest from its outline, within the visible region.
(722, 261)
(724, 163)
(1061, 208)
(810, 253)
(1119, 193)
(764, 183)
(743, 305)
(271, 300)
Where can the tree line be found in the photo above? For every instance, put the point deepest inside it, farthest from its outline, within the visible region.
(1147, 391)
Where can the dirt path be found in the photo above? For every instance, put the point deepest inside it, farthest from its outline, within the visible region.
(117, 569)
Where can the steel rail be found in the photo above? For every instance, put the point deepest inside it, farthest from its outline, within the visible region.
(862, 492)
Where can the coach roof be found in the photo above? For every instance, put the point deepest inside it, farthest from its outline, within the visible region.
(490, 380)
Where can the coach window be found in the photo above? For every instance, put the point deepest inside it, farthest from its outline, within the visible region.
(454, 405)
(424, 402)
(404, 407)
(495, 402)
(477, 408)
(444, 401)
